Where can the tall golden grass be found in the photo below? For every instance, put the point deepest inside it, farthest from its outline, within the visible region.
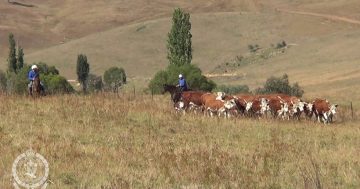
(125, 141)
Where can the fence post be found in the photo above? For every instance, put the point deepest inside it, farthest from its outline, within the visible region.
(134, 92)
(152, 94)
(352, 110)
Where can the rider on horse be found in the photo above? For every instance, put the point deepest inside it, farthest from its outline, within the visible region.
(33, 73)
(182, 83)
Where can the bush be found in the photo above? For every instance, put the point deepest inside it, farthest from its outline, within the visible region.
(253, 48)
(281, 45)
(17, 82)
(95, 83)
(56, 84)
(192, 74)
(49, 75)
(280, 85)
(45, 69)
(114, 78)
(235, 89)
(3, 81)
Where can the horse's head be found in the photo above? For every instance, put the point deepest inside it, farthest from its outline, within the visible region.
(168, 88)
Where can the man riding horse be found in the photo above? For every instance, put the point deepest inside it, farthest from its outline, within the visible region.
(176, 91)
(32, 75)
(182, 83)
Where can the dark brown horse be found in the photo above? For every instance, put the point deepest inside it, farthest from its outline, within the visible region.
(174, 92)
(36, 87)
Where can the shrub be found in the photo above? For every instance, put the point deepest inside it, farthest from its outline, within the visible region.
(233, 89)
(192, 74)
(3, 81)
(56, 84)
(17, 82)
(95, 83)
(49, 75)
(280, 45)
(45, 69)
(253, 48)
(280, 85)
(114, 78)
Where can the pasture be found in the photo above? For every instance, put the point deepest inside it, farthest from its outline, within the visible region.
(127, 141)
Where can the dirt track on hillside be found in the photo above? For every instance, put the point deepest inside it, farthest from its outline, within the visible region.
(327, 16)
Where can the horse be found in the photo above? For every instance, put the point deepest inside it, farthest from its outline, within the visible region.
(36, 87)
(174, 92)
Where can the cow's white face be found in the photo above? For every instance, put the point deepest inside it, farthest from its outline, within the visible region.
(310, 106)
(230, 104)
(301, 106)
(285, 107)
(248, 106)
(333, 109)
(264, 105)
(220, 96)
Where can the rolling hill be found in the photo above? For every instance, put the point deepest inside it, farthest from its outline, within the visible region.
(324, 34)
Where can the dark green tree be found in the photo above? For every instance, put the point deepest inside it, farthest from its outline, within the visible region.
(20, 59)
(179, 39)
(280, 85)
(82, 70)
(12, 54)
(114, 78)
(3, 81)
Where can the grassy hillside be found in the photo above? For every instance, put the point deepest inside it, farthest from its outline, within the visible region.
(114, 141)
(328, 47)
(132, 34)
(49, 23)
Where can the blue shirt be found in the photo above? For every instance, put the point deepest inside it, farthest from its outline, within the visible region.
(182, 83)
(32, 74)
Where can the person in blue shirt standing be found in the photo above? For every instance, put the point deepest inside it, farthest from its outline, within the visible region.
(182, 83)
(33, 73)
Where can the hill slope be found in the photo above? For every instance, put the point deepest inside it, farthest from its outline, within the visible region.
(117, 33)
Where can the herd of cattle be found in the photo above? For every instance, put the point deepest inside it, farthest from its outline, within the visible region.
(276, 105)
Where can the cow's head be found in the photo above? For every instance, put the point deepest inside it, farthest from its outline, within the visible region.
(220, 96)
(309, 106)
(264, 105)
(301, 106)
(229, 104)
(248, 106)
(179, 106)
(333, 109)
(284, 107)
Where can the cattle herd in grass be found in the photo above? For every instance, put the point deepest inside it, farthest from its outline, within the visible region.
(278, 106)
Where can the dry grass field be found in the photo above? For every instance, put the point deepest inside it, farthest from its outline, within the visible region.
(126, 141)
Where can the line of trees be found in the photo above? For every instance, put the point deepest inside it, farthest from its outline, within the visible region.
(15, 80)
(114, 77)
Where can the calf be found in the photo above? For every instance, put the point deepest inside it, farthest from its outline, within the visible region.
(213, 106)
(256, 107)
(323, 110)
(279, 108)
(192, 99)
(308, 110)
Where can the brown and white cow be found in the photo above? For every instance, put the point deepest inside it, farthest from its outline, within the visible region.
(308, 110)
(279, 108)
(256, 107)
(191, 100)
(213, 106)
(323, 110)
